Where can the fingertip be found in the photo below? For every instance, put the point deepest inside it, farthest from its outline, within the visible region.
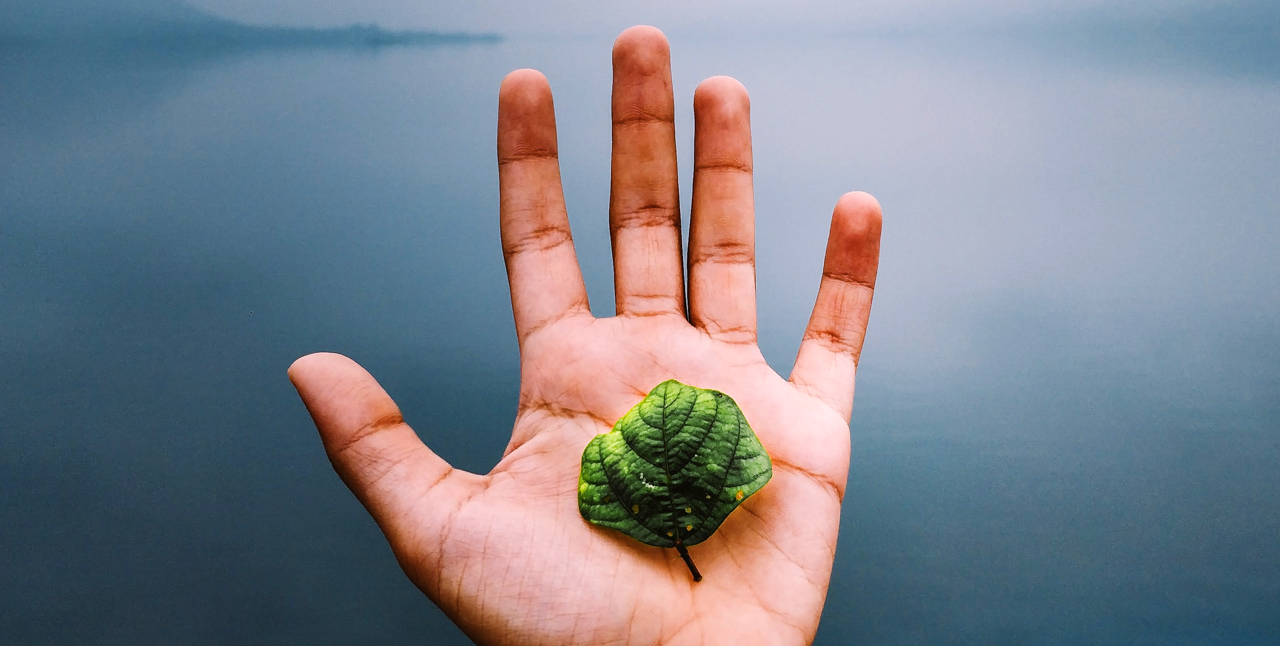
(859, 203)
(721, 96)
(321, 375)
(853, 249)
(722, 125)
(298, 368)
(523, 89)
(314, 364)
(525, 76)
(641, 49)
(526, 117)
(642, 91)
(857, 216)
(721, 90)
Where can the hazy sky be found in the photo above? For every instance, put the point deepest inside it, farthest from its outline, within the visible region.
(594, 18)
(590, 16)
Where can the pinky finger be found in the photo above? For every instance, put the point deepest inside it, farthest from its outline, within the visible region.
(832, 345)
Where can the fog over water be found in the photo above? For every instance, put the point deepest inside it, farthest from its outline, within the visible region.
(1067, 428)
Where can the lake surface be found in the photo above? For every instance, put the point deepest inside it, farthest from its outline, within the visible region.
(1067, 428)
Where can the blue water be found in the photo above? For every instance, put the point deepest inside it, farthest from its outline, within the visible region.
(1067, 428)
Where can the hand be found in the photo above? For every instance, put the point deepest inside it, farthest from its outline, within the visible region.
(506, 555)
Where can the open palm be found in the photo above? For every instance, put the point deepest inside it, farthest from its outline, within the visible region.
(506, 555)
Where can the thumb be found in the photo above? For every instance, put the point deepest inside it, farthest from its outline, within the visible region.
(407, 488)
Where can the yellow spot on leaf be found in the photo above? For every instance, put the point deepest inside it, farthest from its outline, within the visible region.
(688, 528)
(740, 494)
(668, 533)
(688, 510)
(635, 509)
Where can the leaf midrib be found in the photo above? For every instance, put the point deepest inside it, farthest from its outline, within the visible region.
(666, 457)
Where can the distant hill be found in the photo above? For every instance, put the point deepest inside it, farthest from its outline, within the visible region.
(176, 24)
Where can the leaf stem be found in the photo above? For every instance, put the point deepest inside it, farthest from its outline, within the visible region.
(684, 554)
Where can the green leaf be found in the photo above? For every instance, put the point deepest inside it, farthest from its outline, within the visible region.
(673, 468)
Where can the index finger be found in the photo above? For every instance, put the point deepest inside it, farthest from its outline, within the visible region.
(542, 266)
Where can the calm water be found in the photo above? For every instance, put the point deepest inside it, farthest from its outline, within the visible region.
(1068, 419)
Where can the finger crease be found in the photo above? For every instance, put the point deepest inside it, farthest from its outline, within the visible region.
(647, 216)
(850, 279)
(735, 335)
(640, 118)
(577, 309)
(540, 239)
(368, 430)
(728, 167)
(560, 412)
(726, 252)
(834, 341)
(826, 482)
(671, 306)
(523, 156)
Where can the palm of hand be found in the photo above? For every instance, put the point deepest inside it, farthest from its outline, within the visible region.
(507, 555)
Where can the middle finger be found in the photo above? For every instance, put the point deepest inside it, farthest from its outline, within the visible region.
(644, 197)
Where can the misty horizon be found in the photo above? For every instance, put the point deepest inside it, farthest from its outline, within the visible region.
(70, 19)
(177, 24)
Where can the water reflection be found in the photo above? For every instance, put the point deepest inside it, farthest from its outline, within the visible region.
(1066, 423)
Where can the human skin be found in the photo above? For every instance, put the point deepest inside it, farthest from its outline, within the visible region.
(506, 555)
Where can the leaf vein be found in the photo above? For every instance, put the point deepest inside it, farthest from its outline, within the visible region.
(615, 489)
